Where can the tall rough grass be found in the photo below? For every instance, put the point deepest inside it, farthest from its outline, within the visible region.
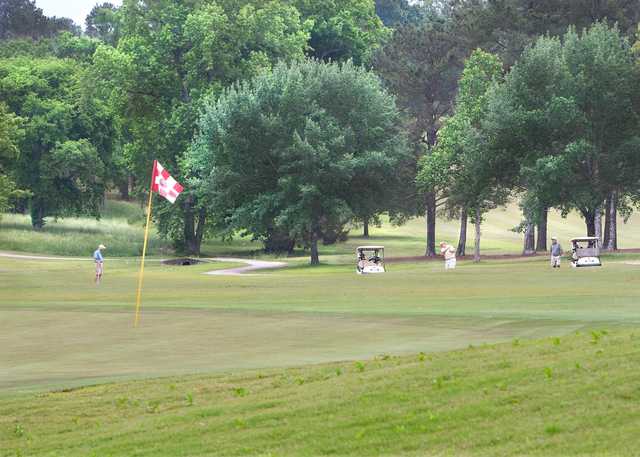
(120, 229)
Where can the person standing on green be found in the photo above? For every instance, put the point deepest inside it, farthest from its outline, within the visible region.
(556, 252)
(99, 261)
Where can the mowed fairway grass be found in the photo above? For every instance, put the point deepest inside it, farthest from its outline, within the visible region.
(505, 357)
(58, 329)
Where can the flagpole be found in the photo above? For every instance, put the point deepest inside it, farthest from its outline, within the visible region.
(144, 248)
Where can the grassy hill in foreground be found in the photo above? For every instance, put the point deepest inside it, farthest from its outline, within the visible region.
(576, 395)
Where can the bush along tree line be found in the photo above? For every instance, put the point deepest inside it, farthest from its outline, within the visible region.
(293, 121)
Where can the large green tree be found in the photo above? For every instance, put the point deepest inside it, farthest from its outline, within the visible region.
(421, 65)
(296, 150)
(422, 62)
(530, 118)
(352, 30)
(103, 23)
(395, 13)
(170, 56)
(569, 116)
(463, 169)
(343, 29)
(506, 27)
(10, 134)
(64, 44)
(67, 137)
(22, 18)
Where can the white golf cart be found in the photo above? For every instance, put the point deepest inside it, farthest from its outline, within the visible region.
(585, 252)
(370, 259)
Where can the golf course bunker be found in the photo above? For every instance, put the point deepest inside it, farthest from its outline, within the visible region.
(183, 262)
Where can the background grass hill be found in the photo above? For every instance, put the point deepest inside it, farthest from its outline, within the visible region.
(121, 229)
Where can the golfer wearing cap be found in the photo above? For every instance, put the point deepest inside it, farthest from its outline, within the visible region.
(556, 252)
(99, 260)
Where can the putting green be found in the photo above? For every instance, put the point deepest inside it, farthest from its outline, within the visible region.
(57, 328)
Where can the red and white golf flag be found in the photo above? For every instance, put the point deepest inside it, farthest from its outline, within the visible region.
(164, 184)
(161, 183)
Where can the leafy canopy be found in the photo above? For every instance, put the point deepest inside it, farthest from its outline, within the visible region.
(169, 57)
(10, 135)
(462, 168)
(343, 29)
(285, 151)
(569, 115)
(66, 140)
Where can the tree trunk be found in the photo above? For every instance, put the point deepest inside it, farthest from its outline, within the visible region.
(611, 225)
(195, 243)
(37, 213)
(607, 223)
(193, 230)
(123, 188)
(529, 238)
(476, 249)
(20, 206)
(462, 240)
(365, 230)
(590, 222)
(315, 258)
(430, 219)
(189, 225)
(541, 244)
(598, 223)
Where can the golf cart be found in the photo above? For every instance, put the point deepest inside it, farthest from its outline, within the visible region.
(585, 252)
(370, 259)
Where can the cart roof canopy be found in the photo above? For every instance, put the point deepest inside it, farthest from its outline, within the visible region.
(369, 248)
(586, 238)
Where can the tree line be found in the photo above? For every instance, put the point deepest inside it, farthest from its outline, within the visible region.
(293, 121)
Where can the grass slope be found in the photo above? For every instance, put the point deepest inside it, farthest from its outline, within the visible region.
(571, 396)
(121, 229)
(497, 236)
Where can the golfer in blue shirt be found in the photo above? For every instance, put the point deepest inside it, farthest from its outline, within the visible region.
(99, 260)
(556, 252)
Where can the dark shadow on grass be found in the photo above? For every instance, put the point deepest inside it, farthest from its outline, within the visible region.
(235, 251)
